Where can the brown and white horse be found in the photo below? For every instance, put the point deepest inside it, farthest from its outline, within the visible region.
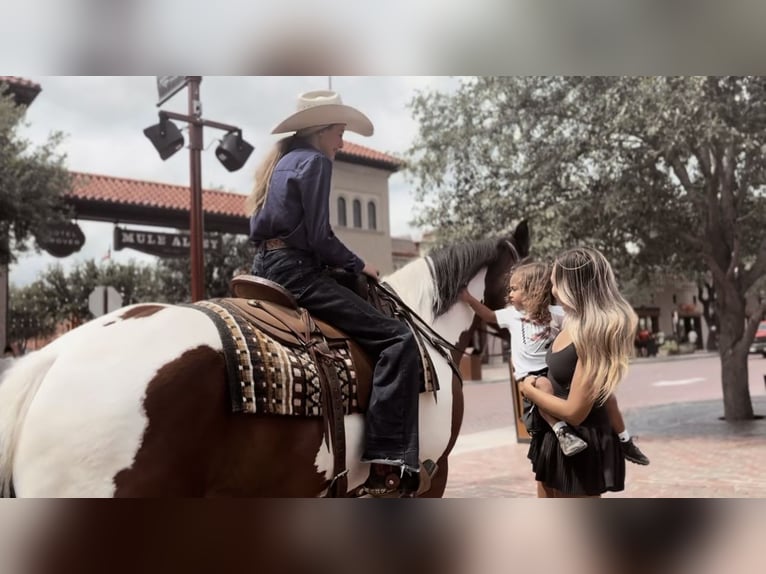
(135, 403)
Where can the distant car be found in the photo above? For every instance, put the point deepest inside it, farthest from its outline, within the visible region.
(759, 342)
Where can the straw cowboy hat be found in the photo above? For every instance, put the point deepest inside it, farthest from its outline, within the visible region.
(321, 108)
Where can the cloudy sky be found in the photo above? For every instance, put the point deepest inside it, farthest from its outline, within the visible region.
(103, 120)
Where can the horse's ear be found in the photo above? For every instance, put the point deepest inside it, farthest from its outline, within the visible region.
(521, 238)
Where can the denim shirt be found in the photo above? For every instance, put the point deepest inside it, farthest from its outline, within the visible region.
(297, 209)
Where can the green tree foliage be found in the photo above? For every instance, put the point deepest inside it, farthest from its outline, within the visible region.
(664, 174)
(31, 315)
(236, 253)
(32, 183)
(58, 300)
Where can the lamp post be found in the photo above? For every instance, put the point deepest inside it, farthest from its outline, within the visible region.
(196, 221)
(232, 153)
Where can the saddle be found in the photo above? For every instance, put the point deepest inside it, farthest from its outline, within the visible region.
(282, 361)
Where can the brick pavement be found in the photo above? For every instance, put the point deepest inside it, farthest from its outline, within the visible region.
(693, 454)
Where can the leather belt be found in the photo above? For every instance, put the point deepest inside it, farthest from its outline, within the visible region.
(273, 245)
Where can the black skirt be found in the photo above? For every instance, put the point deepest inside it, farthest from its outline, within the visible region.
(597, 469)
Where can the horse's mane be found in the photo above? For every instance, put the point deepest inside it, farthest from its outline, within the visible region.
(451, 268)
(455, 265)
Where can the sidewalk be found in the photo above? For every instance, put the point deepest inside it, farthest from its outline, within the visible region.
(693, 454)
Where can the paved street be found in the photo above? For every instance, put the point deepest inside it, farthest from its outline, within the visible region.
(673, 405)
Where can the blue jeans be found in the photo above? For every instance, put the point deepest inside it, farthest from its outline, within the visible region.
(391, 423)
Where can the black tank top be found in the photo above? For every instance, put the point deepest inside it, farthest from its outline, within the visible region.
(561, 368)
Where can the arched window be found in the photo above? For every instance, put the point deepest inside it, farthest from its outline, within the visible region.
(342, 212)
(357, 214)
(372, 221)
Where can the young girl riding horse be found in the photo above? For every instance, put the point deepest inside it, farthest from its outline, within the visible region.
(290, 226)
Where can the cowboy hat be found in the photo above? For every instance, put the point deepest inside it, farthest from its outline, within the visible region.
(321, 108)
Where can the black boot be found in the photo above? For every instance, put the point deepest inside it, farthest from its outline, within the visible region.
(390, 481)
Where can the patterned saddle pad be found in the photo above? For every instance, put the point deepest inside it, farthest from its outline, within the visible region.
(266, 375)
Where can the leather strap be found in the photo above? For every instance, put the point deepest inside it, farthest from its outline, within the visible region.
(332, 405)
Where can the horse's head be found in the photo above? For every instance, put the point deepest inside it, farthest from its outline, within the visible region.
(510, 250)
(455, 266)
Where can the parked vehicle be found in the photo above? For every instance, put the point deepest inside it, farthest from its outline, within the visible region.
(759, 341)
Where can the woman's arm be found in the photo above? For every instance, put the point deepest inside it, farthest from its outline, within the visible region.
(574, 409)
(484, 312)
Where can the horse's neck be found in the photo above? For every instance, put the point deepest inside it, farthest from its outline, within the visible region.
(415, 285)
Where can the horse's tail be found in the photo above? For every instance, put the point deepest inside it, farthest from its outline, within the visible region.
(18, 386)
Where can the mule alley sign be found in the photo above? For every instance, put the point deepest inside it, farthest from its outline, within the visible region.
(161, 244)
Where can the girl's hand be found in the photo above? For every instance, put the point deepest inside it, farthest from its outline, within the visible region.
(465, 296)
(526, 384)
(371, 271)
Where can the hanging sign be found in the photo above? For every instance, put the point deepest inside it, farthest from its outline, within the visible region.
(62, 239)
(169, 86)
(161, 244)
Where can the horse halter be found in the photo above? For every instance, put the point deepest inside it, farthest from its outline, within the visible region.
(513, 249)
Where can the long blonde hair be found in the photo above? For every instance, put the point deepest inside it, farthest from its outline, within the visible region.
(601, 322)
(256, 199)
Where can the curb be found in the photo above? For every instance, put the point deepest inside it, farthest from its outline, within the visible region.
(634, 361)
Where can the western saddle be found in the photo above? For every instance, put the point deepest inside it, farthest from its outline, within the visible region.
(275, 310)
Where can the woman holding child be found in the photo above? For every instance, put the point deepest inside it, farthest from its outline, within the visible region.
(581, 450)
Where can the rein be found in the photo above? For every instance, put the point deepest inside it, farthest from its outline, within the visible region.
(437, 341)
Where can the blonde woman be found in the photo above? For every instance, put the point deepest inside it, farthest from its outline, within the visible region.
(533, 322)
(586, 362)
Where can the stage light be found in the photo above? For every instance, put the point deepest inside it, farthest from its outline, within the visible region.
(165, 136)
(233, 151)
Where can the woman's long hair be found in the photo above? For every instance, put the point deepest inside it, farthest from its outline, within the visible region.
(265, 169)
(257, 197)
(601, 322)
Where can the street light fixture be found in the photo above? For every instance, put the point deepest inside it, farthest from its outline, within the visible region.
(165, 136)
(233, 152)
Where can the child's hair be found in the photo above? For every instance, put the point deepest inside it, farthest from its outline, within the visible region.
(534, 278)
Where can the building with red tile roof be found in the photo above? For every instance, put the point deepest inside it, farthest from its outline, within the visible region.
(108, 198)
(22, 90)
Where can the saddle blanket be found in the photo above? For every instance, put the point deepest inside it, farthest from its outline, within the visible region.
(267, 377)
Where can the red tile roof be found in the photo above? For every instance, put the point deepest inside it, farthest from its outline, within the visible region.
(23, 91)
(119, 190)
(360, 152)
(152, 194)
(19, 81)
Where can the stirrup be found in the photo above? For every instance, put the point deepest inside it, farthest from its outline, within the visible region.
(428, 470)
(392, 483)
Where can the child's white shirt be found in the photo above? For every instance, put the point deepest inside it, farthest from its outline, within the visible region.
(529, 343)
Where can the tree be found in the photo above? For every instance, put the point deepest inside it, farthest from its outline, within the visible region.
(235, 253)
(663, 174)
(136, 283)
(29, 315)
(64, 296)
(32, 184)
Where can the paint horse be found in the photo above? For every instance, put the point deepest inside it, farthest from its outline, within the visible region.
(136, 403)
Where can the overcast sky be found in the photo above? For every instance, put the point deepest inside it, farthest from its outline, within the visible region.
(103, 120)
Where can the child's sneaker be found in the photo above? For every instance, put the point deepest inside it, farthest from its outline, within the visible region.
(570, 443)
(632, 453)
